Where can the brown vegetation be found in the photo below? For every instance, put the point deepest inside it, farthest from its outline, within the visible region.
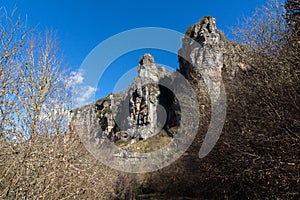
(257, 156)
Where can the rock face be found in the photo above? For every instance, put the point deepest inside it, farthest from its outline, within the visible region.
(144, 95)
(203, 52)
(146, 108)
(83, 120)
(106, 110)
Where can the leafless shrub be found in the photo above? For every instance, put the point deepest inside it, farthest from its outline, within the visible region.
(257, 155)
(40, 157)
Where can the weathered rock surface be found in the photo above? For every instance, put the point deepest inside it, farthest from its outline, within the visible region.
(203, 52)
(206, 52)
(144, 110)
(147, 106)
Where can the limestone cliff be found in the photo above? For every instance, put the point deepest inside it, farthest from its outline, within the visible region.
(206, 53)
(147, 106)
(202, 53)
(145, 109)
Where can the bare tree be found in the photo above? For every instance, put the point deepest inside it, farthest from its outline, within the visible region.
(12, 41)
(33, 94)
(37, 161)
(265, 31)
(43, 97)
(263, 105)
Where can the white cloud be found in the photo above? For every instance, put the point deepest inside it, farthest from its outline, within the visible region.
(84, 95)
(81, 92)
(75, 78)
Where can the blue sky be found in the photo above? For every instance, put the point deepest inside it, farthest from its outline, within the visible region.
(82, 25)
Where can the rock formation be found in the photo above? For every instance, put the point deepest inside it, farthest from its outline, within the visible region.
(147, 106)
(144, 95)
(203, 52)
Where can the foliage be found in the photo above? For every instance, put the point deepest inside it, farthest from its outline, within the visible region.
(107, 110)
(99, 102)
(189, 30)
(202, 20)
(151, 144)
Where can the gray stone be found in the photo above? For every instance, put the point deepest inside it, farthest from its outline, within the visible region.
(202, 52)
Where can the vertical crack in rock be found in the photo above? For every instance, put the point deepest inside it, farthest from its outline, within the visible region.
(148, 106)
(145, 109)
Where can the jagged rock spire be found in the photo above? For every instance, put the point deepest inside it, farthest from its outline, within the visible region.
(147, 69)
(202, 52)
(146, 59)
